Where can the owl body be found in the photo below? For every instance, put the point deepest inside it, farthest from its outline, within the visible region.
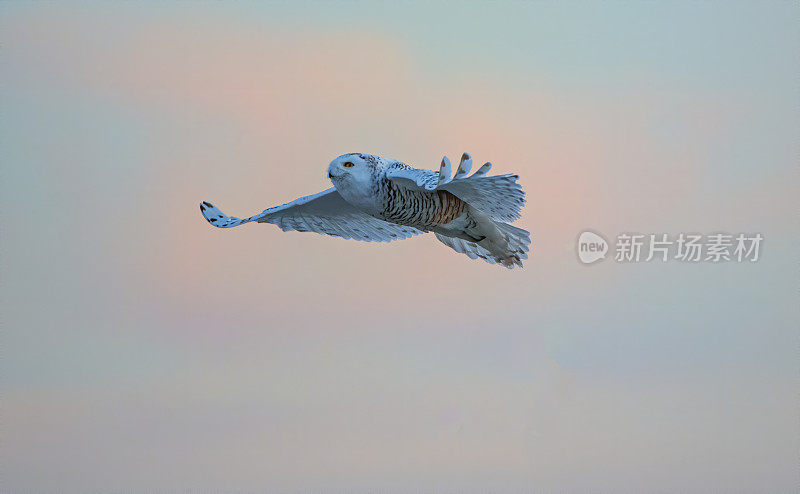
(381, 199)
(376, 194)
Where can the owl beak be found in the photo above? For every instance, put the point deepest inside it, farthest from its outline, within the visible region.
(330, 176)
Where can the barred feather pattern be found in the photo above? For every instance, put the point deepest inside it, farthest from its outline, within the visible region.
(499, 196)
(419, 208)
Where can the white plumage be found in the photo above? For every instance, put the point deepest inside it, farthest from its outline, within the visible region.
(379, 199)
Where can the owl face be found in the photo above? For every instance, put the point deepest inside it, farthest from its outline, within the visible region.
(352, 171)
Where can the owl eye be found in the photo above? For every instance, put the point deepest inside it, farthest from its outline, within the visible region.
(348, 165)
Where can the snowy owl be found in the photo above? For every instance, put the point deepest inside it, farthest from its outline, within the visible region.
(380, 199)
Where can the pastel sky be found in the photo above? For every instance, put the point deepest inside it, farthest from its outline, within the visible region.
(143, 350)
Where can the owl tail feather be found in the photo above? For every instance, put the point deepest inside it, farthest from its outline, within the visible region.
(508, 247)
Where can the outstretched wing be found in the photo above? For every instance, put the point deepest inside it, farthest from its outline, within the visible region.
(499, 196)
(326, 213)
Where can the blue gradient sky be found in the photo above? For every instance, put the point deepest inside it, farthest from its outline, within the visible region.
(144, 350)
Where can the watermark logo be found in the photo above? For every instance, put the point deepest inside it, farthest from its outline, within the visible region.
(661, 247)
(591, 247)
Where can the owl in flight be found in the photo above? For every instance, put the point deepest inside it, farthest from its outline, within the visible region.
(380, 199)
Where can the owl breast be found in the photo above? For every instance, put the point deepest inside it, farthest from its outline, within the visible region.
(420, 208)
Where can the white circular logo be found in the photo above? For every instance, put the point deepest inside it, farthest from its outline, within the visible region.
(591, 247)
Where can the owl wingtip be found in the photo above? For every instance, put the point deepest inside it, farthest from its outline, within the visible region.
(210, 212)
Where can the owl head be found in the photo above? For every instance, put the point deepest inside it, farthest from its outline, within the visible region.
(353, 171)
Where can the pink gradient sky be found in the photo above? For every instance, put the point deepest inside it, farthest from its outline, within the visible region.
(146, 350)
